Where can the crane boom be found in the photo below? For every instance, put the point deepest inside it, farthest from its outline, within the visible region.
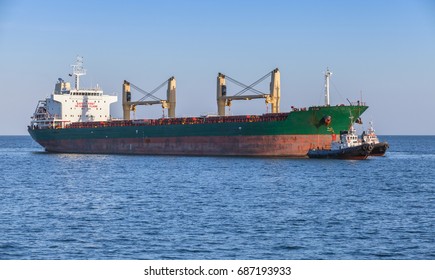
(169, 103)
(273, 97)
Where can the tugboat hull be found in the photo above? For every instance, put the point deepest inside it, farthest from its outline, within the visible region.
(379, 149)
(354, 153)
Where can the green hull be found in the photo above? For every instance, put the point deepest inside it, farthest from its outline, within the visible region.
(291, 135)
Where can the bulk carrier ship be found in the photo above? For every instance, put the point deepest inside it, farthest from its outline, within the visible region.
(79, 121)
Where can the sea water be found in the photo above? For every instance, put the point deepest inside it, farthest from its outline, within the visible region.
(74, 206)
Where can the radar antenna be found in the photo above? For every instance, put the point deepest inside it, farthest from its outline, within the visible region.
(78, 71)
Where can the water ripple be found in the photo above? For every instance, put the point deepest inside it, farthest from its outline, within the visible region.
(66, 206)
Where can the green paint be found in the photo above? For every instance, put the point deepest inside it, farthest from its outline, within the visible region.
(297, 123)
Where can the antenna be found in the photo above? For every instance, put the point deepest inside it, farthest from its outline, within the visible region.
(327, 76)
(78, 71)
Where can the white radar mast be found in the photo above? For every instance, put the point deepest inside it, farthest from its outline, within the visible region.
(78, 71)
(327, 76)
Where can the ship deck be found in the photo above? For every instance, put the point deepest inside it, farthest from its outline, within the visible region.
(181, 121)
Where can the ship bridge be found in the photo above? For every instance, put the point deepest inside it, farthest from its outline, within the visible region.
(66, 105)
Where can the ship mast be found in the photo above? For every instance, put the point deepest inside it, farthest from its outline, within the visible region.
(78, 71)
(327, 76)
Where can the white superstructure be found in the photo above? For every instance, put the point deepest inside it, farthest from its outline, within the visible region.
(66, 105)
(370, 136)
(348, 139)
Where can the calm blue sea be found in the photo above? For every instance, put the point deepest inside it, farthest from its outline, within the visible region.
(70, 206)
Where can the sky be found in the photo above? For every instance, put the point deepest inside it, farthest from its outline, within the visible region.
(380, 51)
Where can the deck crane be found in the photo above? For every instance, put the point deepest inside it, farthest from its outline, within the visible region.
(169, 103)
(271, 98)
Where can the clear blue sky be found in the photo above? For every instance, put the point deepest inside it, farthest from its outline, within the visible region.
(382, 49)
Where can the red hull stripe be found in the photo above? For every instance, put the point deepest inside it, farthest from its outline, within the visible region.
(275, 145)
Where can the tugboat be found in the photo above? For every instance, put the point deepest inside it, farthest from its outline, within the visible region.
(379, 148)
(349, 147)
